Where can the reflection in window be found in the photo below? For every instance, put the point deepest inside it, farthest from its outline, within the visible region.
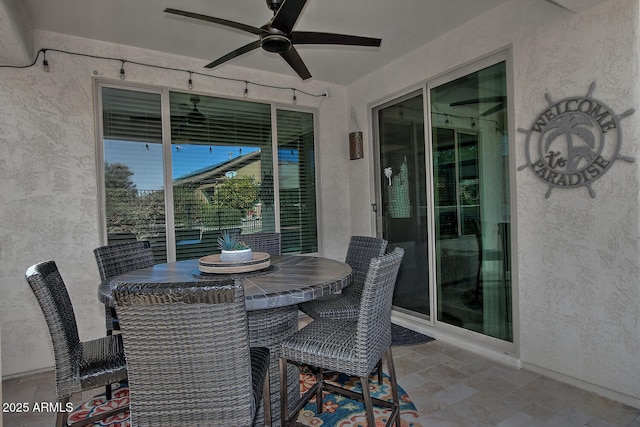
(221, 171)
(471, 202)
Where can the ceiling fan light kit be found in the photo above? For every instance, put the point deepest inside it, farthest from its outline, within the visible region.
(277, 35)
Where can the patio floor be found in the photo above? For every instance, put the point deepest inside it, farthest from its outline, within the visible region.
(449, 387)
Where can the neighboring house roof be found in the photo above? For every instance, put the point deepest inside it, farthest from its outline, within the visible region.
(210, 176)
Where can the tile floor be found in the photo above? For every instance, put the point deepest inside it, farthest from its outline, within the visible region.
(449, 386)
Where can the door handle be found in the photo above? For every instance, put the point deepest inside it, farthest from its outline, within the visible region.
(374, 206)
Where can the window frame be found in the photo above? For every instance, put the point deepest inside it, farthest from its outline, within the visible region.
(164, 93)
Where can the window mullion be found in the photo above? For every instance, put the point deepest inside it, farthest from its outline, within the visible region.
(168, 177)
(276, 169)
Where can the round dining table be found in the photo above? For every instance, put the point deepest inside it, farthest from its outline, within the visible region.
(272, 296)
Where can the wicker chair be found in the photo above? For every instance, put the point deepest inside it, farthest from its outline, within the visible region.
(270, 243)
(79, 365)
(117, 259)
(344, 306)
(351, 347)
(197, 369)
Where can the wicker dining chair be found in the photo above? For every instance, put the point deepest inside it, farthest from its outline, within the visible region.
(344, 306)
(79, 365)
(198, 368)
(117, 259)
(350, 347)
(270, 243)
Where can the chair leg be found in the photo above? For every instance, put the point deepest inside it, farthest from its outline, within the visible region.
(61, 418)
(284, 405)
(380, 372)
(394, 385)
(319, 397)
(266, 397)
(107, 391)
(368, 403)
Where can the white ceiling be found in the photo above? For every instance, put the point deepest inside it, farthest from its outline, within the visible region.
(403, 26)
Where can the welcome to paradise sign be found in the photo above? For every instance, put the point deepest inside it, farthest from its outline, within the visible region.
(574, 142)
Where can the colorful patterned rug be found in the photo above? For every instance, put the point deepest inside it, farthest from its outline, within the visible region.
(338, 411)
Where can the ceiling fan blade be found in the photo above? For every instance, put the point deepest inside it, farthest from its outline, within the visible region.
(555, 3)
(293, 59)
(225, 22)
(499, 98)
(311, 37)
(287, 15)
(241, 51)
(493, 110)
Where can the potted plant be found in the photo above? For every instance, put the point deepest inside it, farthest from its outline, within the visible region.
(232, 249)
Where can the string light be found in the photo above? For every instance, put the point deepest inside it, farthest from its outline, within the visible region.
(473, 120)
(45, 65)
(246, 88)
(295, 100)
(190, 80)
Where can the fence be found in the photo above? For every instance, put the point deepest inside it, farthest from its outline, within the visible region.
(140, 215)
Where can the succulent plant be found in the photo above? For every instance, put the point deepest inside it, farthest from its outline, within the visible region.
(229, 242)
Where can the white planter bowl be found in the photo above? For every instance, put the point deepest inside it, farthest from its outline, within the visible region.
(236, 256)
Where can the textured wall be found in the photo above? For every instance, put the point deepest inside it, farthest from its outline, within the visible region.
(15, 38)
(578, 258)
(48, 196)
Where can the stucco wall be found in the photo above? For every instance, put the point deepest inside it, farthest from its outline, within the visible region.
(48, 196)
(578, 257)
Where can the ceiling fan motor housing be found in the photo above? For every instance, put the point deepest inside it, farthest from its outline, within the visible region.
(276, 43)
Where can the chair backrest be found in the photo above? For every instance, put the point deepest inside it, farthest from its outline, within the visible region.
(121, 258)
(270, 243)
(359, 254)
(50, 291)
(200, 354)
(373, 335)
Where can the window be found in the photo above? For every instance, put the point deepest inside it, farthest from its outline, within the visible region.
(296, 173)
(215, 158)
(133, 163)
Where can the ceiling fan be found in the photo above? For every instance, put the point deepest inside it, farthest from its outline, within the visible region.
(277, 35)
(189, 116)
(193, 117)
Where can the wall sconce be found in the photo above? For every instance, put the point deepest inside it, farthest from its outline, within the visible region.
(356, 145)
(356, 149)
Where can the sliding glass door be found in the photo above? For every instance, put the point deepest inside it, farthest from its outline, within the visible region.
(445, 198)
(470, 152)
(402, 191)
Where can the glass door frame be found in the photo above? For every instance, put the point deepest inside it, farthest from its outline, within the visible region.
(378, 206)
(439, 328)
